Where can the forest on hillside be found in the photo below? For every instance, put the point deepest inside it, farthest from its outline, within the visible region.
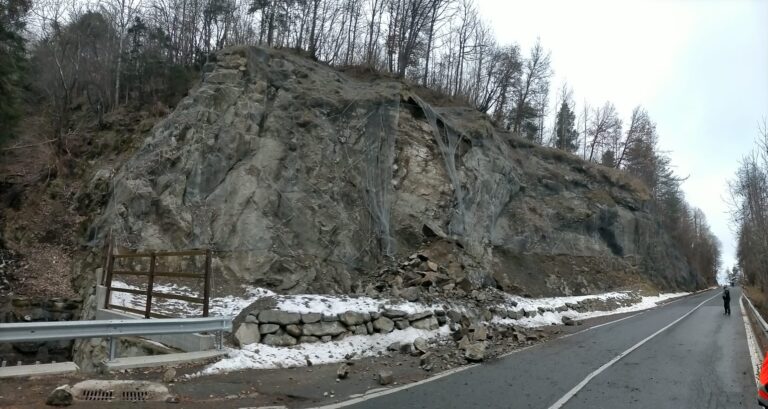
(145, 54)
(749, 212)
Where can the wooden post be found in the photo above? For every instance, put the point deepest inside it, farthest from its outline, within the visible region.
(207, 284)
(105, 266)
(150, 285)
(108, 294)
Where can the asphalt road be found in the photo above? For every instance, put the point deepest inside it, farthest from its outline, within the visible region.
(700, 362)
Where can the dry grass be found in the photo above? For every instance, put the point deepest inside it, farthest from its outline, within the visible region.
(624, 180)
(602, 197)
(758, 298)
(40, 219)
(600, 173)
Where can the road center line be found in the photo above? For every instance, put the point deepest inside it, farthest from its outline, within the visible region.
(568, 396)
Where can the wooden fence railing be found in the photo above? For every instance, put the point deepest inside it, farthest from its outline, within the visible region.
(151, 274)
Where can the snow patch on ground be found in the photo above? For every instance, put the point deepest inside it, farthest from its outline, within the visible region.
(262, 356)
(232, 305)
(229, 305)
(337, 304)
(644, 304)
(556, 318)
(554, 302)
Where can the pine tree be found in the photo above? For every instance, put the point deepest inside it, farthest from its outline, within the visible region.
(566, 136)
(11, 62)
(608, 159)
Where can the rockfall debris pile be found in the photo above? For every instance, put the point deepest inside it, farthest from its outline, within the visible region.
(423, 279)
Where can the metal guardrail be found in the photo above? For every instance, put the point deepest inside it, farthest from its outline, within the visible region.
(111, 329)
(756, 314)
(48, 331)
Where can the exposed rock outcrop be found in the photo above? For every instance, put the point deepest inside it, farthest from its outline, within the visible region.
(305, 180)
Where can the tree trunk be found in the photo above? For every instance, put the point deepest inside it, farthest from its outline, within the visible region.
(271, 25)
(312, 40)
(432, 23)
(118, 70)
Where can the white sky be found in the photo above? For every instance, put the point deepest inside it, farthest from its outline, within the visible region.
(700, 68)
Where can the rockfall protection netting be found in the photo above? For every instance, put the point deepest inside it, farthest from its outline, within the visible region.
(378, 166)
(448, 141)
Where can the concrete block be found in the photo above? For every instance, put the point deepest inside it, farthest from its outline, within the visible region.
(184, 342)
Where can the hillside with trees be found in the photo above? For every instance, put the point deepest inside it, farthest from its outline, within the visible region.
(749, 212)
(90, 79)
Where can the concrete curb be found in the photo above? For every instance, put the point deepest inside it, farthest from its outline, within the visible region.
(38, 370)
(160, 360)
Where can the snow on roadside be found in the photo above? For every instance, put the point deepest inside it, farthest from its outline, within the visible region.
(555, 318)
(337, 304)
(554, 302)
(262, 356)
(644, 304)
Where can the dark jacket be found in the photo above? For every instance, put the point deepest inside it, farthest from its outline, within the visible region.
(726, 296)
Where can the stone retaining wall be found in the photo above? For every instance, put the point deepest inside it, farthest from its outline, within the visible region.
(282, 328)
(26, 309)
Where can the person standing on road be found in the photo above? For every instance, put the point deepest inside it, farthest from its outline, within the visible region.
(727, 300)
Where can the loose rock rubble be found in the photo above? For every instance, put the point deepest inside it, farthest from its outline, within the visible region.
(385, 377)
(61, 396)
(169, 375)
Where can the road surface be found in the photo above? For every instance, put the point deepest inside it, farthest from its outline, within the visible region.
(700, 361)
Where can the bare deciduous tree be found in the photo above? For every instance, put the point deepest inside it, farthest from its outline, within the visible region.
(533, 83)
(604, 130)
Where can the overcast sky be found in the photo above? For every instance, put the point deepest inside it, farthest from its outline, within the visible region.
(700, 68)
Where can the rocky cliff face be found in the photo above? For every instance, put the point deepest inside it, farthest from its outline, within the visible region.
(305, 180)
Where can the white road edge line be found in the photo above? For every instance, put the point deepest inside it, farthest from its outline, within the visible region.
(568, 396)
(751, 343)
(393, 390)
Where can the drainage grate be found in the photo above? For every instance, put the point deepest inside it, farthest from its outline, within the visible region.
(137, 396)
(119, 390)
(95, 394)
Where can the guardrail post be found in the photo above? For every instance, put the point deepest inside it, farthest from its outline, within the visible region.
(112, 349)
(150, 285)
(207, 284)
